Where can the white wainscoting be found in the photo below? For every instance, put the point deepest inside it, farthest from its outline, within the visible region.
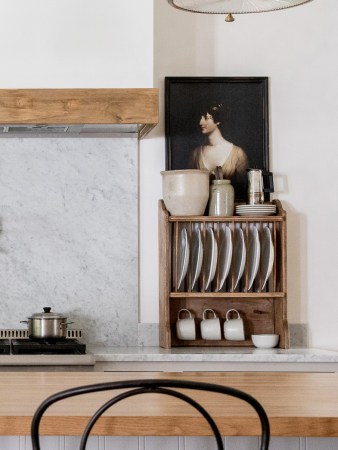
(166, 443)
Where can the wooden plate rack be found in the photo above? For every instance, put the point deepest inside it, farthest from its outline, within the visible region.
(263, 310)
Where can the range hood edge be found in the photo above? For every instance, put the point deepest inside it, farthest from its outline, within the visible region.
(78, 112)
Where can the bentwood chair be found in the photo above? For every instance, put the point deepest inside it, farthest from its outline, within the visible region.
(136, 387)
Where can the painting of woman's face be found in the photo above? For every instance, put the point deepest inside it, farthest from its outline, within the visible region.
(202, 111)
(207, 124)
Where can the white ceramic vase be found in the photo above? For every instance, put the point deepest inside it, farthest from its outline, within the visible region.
(185, 192)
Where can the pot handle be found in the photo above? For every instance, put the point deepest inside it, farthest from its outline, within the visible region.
(23, 321)
(66, 323)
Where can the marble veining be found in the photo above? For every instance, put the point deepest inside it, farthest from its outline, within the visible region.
(69, 234)
(215, 354)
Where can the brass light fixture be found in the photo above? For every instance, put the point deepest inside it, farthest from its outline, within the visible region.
(230, 7)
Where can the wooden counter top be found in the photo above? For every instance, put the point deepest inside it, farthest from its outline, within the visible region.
(298, 404)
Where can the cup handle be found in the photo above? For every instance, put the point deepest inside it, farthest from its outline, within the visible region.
(211, 310)
(183, 309)
(235, 310)
(269, 177)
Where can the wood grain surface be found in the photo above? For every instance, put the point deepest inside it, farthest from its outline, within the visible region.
(79, 106)
(298, 404)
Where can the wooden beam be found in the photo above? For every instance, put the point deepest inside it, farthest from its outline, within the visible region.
(79, 106)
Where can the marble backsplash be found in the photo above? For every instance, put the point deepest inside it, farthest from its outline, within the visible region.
(69, 234)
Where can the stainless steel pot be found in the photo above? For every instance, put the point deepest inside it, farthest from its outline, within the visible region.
(47, 325)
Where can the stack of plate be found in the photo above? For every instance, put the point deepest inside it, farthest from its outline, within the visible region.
(264, 209)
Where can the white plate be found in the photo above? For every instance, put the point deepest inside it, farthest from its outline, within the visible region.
(255, 210)
(255, 213)
(239, 255)
(257, 206)
(210, 260)
(224, 256)
(254, 251)
(261, 210)
(183, 256)
(267, 255)
(196, 256)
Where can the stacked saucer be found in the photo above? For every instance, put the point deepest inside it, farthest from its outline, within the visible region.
(263, 209)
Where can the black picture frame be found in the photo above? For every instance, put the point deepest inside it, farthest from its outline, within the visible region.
(244, 103)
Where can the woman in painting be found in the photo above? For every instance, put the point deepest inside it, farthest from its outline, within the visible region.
(216, 150)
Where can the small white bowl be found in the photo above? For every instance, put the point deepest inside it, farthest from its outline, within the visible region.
(265, 340)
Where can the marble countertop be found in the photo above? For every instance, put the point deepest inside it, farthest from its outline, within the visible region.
(212, 354)
(100, 354)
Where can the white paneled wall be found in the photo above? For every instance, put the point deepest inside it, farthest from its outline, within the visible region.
(166, 443)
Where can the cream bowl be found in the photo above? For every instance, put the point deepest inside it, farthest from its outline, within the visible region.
(185, 192)
(265, 340)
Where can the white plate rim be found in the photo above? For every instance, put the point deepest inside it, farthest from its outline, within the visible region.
(197, 271)
(271, 256)
(249, 211)
(185, 249)
(227, 242)
(255, 209)
(258, 206)
(213, 259)
(255, 236)
(257, 214)
(242, 256)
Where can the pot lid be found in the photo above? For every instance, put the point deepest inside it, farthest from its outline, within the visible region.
(47, 314)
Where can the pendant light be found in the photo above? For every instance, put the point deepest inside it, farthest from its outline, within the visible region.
(230, 7)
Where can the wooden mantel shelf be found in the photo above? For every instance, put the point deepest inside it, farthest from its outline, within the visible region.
(297, 404)
(125, 106)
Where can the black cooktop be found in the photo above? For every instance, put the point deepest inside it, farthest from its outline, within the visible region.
(5, 347)
(47, 347)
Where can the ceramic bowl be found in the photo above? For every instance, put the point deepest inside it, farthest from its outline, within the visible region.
(265, 340)
(185, 192)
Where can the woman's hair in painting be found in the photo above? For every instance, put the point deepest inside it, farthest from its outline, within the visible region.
(215, 109)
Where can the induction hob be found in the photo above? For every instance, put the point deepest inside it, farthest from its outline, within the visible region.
(47, 347)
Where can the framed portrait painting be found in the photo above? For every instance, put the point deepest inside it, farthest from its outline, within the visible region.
(218, 121)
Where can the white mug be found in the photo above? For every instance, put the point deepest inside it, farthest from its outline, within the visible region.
(234, 328)
(185, 328)
(211, 328)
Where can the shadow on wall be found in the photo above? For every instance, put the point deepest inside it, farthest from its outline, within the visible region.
(297, 257)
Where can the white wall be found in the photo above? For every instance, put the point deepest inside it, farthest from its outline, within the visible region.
(76, 43)
(297, 50)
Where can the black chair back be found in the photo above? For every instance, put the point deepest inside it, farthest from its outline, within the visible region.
(137, 387)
